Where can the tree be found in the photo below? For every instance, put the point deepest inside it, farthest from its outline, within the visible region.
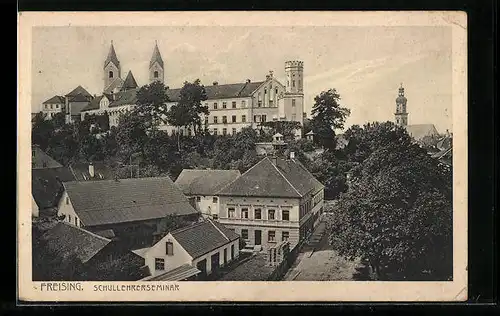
(285, 128)
(186, 113)
(42, 130)
(58, 120)
(397, 212)
(131, 135)
(328, 115)
(169, 223)
(151, 104)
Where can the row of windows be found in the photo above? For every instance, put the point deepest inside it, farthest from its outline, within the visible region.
(224, 131)
(224, 104)
(76, 221)
(271, 235)
(258, 214)
(214, 199)
(224, 119)
(52, 106)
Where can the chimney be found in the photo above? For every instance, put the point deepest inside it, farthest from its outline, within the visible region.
(292, 155)
(267, 77)
(91, 170)
(270, 73)
(248, 81)
(215, 83)
(274, 160)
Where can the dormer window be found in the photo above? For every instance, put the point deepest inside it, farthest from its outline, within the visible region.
(111, 74)
(156, 74)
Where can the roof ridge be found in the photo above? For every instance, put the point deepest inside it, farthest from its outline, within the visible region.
(136, 205)
(86, 231)
(241, 175)
(220, 231)
(285, 178)
(182, 229)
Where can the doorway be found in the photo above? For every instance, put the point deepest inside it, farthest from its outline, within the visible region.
(258, 237)
(202, 266)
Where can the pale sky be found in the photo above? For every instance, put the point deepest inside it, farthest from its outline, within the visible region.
(365, 64)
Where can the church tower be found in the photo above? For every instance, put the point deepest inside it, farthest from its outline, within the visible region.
(156, 70)
(401, 115)
(112, 69)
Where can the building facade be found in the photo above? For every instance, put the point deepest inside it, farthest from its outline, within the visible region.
(232, 106)
(201, 186)
(205, 246)
(275, 200)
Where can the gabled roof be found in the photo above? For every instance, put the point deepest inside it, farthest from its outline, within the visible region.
(419, 131)
(129, 82)
(204, 182)
(57, 99)
(221, 91)
(201, 238)
(111, 57)
(128, 97)
(68, 241)
(79, 90)
(101, 171)
(288, 178)
(156, 57)
(46, 185)
(39, 159)
(115, 84)
(126, 200)
(94, 104)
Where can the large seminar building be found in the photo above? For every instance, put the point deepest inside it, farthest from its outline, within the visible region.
(232, 106)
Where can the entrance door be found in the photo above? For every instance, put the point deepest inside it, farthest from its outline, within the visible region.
(202, 266)
(215, 262)
(258, 237)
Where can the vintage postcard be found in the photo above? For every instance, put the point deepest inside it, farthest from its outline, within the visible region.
(242, 156)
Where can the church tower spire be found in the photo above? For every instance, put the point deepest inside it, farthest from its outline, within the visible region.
(112, 69)
(156, 67)
(401, 115)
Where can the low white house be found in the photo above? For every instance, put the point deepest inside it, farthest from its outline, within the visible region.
(201, 186)
(200, 248)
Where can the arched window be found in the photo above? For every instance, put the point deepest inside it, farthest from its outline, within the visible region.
(156, 74)
(110, 74)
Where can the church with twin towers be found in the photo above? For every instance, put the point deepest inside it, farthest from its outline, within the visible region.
(232, 106)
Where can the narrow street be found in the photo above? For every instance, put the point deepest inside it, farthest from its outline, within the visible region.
(317, 261)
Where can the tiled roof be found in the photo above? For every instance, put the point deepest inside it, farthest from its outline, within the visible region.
(39, 159)
(156, 57)
(288, 178)
(101, 171)
(68, 241)
(129, 82)
(204, 182)
(94, 104)
(178, 274)
(112, 57)
(128, 97)
(201, 238)
(115, 84)
(419, 131)
(107, 233)
(126, 200)
(46, 186)
(79, 90)
(221, 91)
(57, 99)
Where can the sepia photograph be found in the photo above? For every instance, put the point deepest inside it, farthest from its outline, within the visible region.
(170, 157)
